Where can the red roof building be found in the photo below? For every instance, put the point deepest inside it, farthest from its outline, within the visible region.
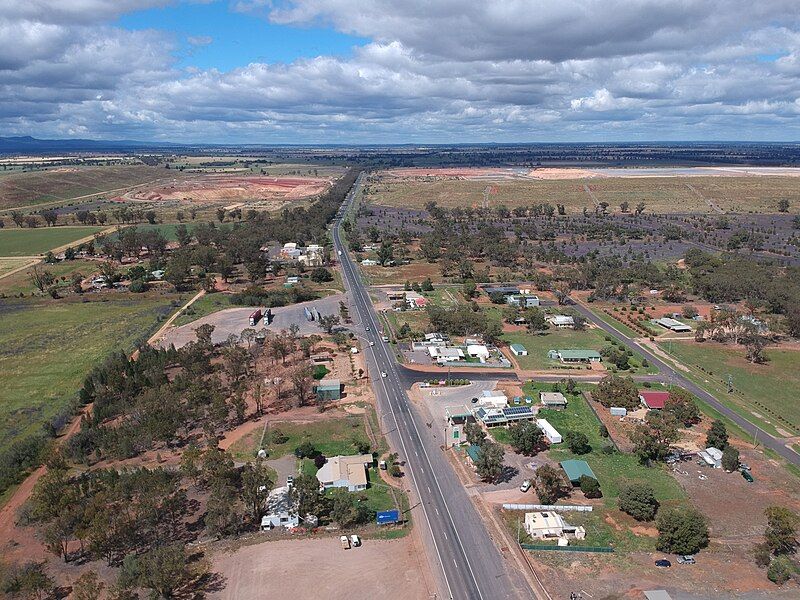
(653, 400)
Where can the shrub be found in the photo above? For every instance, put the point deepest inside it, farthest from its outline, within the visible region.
(781, 570)
(577, 442)
(681, 530)
(590, 487)
(639, 501)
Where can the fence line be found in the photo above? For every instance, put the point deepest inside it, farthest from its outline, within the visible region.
(604, 549)
(553, 507)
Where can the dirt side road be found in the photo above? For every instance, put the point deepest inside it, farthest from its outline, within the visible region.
(310, 569)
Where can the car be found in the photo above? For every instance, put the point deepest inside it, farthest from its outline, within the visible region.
(355, 541)
(383, 373)
(526, 485)
(366, 328)
(474, 400)
(663, 563)
(345, 542)
(687, 559)
(372, 343)
(747, 477)
(385, 338)
(743, 466)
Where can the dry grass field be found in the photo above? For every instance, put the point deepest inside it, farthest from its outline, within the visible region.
(660, 194)
(66, 183)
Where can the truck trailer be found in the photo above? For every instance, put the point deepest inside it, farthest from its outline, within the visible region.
(255, 317)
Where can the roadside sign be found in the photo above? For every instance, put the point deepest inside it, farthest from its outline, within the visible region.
(386, 517)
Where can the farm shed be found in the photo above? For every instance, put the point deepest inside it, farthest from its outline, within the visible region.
(329, 389)
(575, 469)
(673, 325)
(519, 350)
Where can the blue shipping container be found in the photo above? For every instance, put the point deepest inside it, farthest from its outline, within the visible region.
(385, 517)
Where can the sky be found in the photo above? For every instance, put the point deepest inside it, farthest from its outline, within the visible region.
(401, 71)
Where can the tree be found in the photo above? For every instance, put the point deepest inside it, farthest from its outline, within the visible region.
(536, 319)
(783, 205)
(385, 254)
(550, 484)
(88, 586)
(652, 440)
(780, 536)
(150, 215)
(475, 434)
(682, 406)
(490, 461)
(220, 214)
(526, 437)
(590, 487)
(321, 275)
(347, 510)
(577, 442)
(730, 459)
(41, 278)
(221, 515)
(681, 530)
(164, 569)
(717, 436)
(781, 569)
(617, 391)
(256, 484)
(302, 379)
(328, 323)
(639, 501)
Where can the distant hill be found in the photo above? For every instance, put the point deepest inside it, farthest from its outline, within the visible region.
(27, 144)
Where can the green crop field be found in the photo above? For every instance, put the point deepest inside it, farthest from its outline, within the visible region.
(764, 391)
(29, 242)
(47, 348)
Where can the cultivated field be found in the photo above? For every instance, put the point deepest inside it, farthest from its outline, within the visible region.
(65, 183)
(46, 350)
(29, 242)
(21, 283)
(679, 193)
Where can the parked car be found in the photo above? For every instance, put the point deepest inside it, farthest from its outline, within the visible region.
(345, 541)
(663, 563)
(372, 343)
(687, 559)
(382, 465)
(747, 477)
(526, 485)
(366, 328)
(383, 373)
(355, 541)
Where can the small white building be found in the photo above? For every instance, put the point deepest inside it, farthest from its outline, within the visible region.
(493, 399)
(673, 325)
(519, 350)
(445, 355)
(368, 262)
(550, 525)
(549, 431)
(280, 511)
(478, 351)
(562, 321)
(345, 472)
(552, 399)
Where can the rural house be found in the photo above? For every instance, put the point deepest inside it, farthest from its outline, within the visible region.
(345, 472)
(575, 356)
(653, 400)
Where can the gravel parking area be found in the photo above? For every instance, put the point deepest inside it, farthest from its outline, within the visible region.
(310, 569)
(235, 320)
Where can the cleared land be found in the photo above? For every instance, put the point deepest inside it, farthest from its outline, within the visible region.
(660, 194)
(20, 282)
(28, 242)
(309, 569)
(65, 183)
(47, 348)
(768, 391)
(9, 264)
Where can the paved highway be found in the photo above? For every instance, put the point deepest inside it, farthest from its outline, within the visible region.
(470, 563)
(668, 373)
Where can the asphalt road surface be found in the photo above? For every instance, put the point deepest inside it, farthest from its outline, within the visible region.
(470, 563)
(668, 373)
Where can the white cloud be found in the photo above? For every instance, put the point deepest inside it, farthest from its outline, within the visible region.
(444, 70)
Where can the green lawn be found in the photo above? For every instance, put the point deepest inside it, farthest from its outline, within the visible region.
(28, 242)
(554, 339)
(331, 437)
(770, 390)
(613, 470)
(63, 271)
(47, 348)
(205, 305)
